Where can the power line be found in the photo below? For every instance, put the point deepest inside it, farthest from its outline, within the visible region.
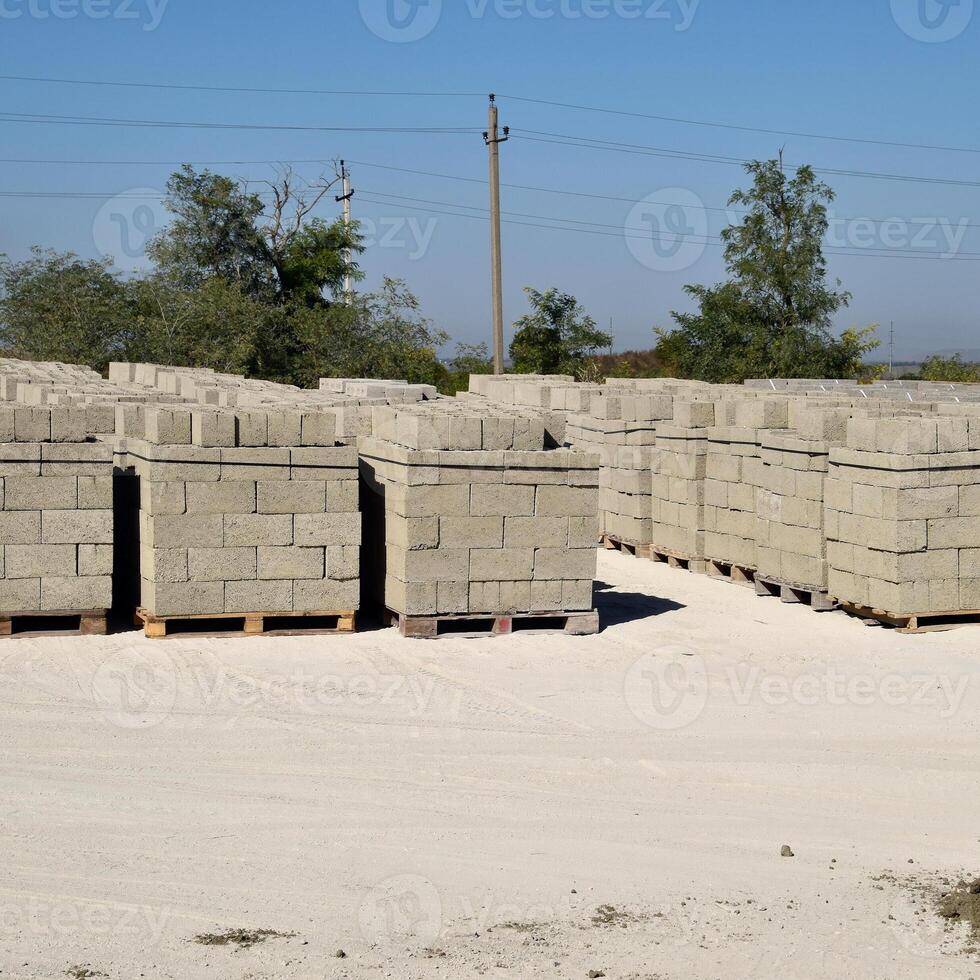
(236, 88)
(743, 129)
(30, 117)
(624, 231)
(603, 110)
(586, 143)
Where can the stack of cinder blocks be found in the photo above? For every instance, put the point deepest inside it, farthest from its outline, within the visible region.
(246, 512)
(678, 483)
(903, 516)
(476, 518)
(56, 518)
(733, 474)
(791, 545)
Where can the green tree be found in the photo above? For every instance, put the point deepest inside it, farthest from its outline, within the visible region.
(773, 317)
(556, 337)
(56, 306)
(376, 335)
(277, 254)
(952, 369)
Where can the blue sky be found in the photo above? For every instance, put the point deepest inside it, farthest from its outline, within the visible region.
(901, 71)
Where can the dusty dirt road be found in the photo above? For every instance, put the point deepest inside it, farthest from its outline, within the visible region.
(523, 807)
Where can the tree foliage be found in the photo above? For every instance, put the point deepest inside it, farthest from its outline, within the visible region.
(774, 315)
(952, 369)
(556, 337)
(57, 306)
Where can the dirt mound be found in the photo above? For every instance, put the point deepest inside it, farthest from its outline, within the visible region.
(962, 904)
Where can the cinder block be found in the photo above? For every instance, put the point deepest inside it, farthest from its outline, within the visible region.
(76, 527)
(412, 533)
(183, 531)
(252, 530)
(40, 560)
(247, 597)
(546, 596)
(285, 428)
(291, 497)
(163, 499)
(222, 497)
(583, 532)
(471, 532)
(430, 501)
(183, 598)
(20, 595)
(95, 492)
(252, 464)
(322, 595)
(343, 563)
(498, 564)
(554, 501)
(415, 599)
(40, 493)
(343, 496)
(577, 596)
(32, 425)
(90, 593)
(442, 565)
(95, 559)
(221, 564)
(535, 532)
(164, 564)
(320, 530)
(551, 563)
(20, 527)
(497, 500)
(213, 429)
(318, 429)
(167, 427)
(290, 563)
(452, 598)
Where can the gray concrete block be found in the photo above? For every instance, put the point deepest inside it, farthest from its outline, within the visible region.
(163, 499)
(498, 564)
(285, 428)
(415, 599)
(442, 565)
(90, 593)
(452, 598)
(183, 531)
(32, 425)
(577, 596)
(40, 493)
(95, 559)
(343, 563)
(252, 530)
(440, 501)
(290, 563)
(535, 532)
(221, 564)
(343, 496)
(95, 492)
(319, 530)
(167, 427)
(412, 533)
(471, 532)
(320, 595)
(183, 599)
(554, 501)
(76, 527)
(213, 429)
(563, 563)
(20, 527)
(222, 497)
(40, 560)
(253, 464)
(291, 497)
(164, 564)
(318, 429)
(583, 532)
(265, 597)
(546, 596)
(20, 595)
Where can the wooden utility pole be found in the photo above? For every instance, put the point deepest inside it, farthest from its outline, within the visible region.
(348, 256)
(493, 140)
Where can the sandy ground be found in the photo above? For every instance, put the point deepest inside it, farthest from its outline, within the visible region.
(522, 807)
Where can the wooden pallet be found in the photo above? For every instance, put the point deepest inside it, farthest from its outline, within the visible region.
(917, 623)
(248, 624)
(611, 543)
(90, 622)
(736, 574)
(676, 560)
(790, 592)
(501, 624)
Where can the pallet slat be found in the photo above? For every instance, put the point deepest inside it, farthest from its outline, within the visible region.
(494, 624)
(935, 622)
(790, 592)
(252, 624)
(89, 622)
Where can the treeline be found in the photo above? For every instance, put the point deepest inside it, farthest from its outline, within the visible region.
(257, 289)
